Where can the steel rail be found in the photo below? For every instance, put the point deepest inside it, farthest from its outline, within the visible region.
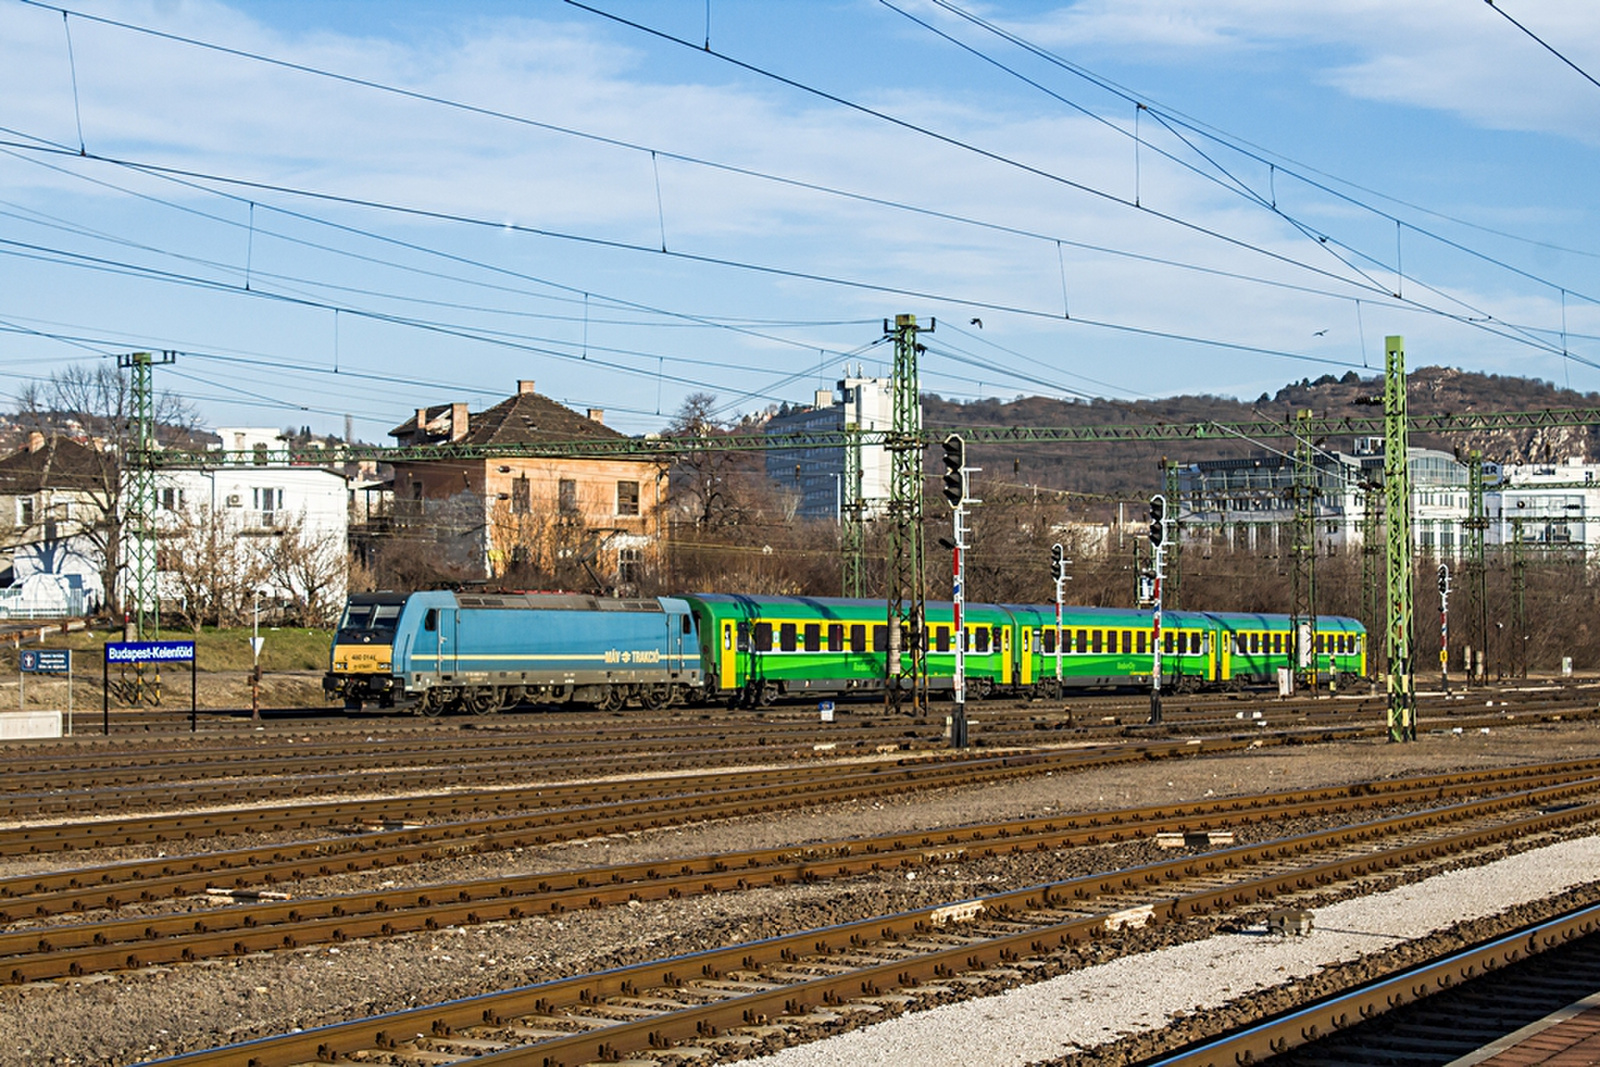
(292, 779)
(1359, 1005)
(493, 1015)
(59, 951)
(36, 896)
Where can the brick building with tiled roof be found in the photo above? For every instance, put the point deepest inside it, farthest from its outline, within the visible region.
(565, 521)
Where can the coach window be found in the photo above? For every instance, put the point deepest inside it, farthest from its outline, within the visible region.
(980, 639)
(1143, 643)
(812, 636)
(941, 639)
(836, 637)
(763, 637)
(1083, 641)
(786, 633)
(1166, 642)
(1096, 641)
(858, 637)
(1047, 641)
(1277, 643)
(880, 638)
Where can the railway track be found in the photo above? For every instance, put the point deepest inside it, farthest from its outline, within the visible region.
(61, 781)
(56, 950)
(1431, 1013)
(742, 995)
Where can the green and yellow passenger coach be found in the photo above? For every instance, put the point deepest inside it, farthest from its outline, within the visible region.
(756, 649)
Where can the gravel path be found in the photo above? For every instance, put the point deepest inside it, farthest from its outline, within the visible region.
(1097, 1005)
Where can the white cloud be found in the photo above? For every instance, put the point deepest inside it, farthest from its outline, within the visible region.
(1444, 55)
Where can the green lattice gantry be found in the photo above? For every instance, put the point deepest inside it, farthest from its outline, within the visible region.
(667, 448)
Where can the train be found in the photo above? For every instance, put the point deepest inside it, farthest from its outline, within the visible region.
(440, 651)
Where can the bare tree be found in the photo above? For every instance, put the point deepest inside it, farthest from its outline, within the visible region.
(309, 571)
(207, 574)
(93, 406)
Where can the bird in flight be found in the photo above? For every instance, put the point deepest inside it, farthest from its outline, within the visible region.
(1319, 333)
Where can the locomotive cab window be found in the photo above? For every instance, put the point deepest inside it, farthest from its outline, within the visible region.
(430, 621)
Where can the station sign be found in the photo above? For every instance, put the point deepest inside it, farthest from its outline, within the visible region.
(45, 661)
(150, 652)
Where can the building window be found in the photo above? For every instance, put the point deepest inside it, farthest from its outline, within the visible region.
(171, 499)
(629, 563)
(519, 495)
(567, 496)
(627, 498)
(24, 511)
(267, 499)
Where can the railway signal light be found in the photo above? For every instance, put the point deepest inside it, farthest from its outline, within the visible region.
(1058, 562)
(1444, 579)
(1158, 519)
(955, 479)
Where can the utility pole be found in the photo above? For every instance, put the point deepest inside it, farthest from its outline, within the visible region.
(955, 494)
(1174, 588)
(852, 517)
(906, 668)
(1444, 627)
(1373, 611)
(139, 541)
(1397, 492)
(1158, 537)
(1303, 554)
(1519, 602)
(1477, 594)
(1058, 571)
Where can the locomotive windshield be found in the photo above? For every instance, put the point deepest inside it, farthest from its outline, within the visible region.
(369, 620)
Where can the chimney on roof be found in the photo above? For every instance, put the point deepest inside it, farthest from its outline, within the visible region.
(35, 440)
(422, 427)
(597, 415)
(524, 386)
(458, 421)
(824, 398)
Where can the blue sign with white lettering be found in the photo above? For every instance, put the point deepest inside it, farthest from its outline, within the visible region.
(45, 661)
(150, 652)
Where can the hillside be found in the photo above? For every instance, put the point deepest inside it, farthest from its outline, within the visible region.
(1131, 470)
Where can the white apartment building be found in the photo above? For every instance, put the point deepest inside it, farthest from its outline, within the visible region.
(817, 475)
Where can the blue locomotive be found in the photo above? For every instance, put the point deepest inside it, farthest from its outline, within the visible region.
(439, 651)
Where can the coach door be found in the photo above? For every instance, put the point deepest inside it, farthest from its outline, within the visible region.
(727, 657)
(438, 641)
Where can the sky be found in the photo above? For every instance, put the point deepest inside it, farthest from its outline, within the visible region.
(336, 210)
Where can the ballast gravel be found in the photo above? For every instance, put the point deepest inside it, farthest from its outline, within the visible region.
(1097, 1005)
